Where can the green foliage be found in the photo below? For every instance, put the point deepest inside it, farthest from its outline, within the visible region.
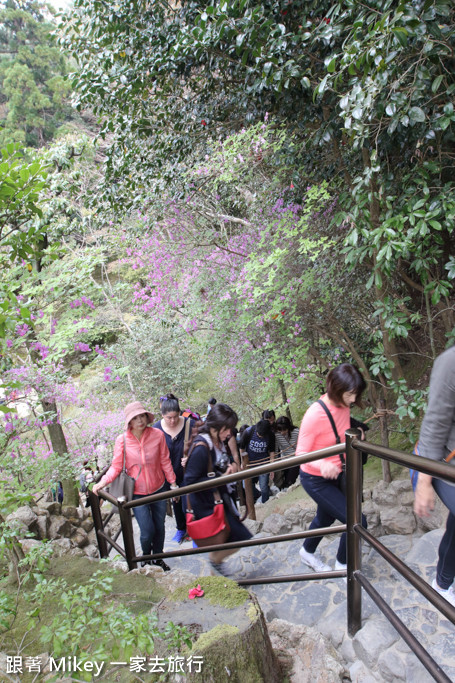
(32, 69)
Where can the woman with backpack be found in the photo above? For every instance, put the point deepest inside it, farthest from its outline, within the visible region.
(207, 459)
(177, 431)
(324, 425)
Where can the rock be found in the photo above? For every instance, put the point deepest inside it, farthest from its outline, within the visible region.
(295, 516)
(275, 525)
(174, 579)
(375, 637)
(61, 546)
(43, 525)
(76, 552)
(28, 543)
(399, 490)
(87, 524)
(59, 526)
(91, 550)
(24, 519)
(360, 674)
(346, 650)
(415, 671)
(54, 508)
(398, 520)
(391, 665)
(334, 627)
(40, 511)
(371, 511)
(304, 653)
(71, 513)
(425, 549)
(80, 538)
(253, 525)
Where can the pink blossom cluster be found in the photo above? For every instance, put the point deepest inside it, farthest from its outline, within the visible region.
(83, 348)
(22, 330)
(80, 302)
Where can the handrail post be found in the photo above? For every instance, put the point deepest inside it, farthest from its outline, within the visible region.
(127, 531)
(248, 483)
(353, 517)
(98, 523)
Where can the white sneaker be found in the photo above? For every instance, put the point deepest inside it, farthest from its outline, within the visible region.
(447, 593)
(339, 566)
(313, 561)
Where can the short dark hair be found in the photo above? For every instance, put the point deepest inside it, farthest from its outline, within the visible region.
(263, 428)
(169, 404)
(220, 416)
(345, 377)
(212, 401)
(284, 424)
(267, 414)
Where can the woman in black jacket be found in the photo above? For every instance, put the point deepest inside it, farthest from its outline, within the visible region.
(216, 429)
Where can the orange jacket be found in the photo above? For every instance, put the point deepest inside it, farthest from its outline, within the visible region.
(150, 454)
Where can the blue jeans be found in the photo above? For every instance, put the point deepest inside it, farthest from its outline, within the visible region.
(331, 506)
(150, 519)
(445, 570)
(264, 486)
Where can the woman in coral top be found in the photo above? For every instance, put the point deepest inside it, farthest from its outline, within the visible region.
(147, 458)
(321, 478)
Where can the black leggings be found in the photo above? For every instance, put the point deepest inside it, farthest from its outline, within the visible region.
(445, 570)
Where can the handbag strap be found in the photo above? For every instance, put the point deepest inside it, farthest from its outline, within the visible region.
(186, 436)
(124, 460)
(450, 456)
(210, 470)
(332, 422)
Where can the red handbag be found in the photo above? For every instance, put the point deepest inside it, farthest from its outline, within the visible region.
(209, 530)
(214, 528)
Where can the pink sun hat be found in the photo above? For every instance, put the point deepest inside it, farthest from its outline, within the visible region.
(135, 409)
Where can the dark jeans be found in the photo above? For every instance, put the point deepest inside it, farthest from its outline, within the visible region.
(445, 570)
(179, 514)
(331, 506)
(150, 519)
(263, 485)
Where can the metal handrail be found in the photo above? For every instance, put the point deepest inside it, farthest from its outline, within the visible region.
(355, 533)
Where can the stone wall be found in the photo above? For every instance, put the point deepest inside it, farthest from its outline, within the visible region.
(68, 526)
(388, 509)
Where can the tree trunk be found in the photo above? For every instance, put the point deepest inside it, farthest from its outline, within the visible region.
(386, 474)
(59, 445)
(285, 398)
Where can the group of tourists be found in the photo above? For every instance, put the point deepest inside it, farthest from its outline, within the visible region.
(180, 449)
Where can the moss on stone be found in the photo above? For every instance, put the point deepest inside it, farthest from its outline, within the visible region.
(216, 635)
(217, 590)
(253, 612)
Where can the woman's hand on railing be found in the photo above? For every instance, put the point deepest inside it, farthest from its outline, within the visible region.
(329, 470)
(96, 488)
(424, 495)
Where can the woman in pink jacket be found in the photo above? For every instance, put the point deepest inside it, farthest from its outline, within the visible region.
(321, 479)
(147, 458)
